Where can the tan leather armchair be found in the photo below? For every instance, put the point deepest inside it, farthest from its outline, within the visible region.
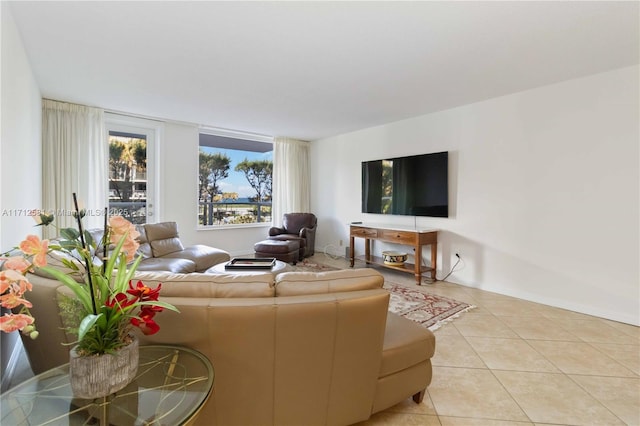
(300, 227)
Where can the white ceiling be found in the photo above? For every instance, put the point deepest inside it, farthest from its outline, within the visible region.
(315, 69)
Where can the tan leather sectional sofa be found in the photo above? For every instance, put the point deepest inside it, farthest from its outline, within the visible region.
(299, 348)
(162, 250)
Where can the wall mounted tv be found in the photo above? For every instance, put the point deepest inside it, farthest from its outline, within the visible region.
(417, 185)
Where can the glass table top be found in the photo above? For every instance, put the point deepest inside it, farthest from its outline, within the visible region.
(171, 386)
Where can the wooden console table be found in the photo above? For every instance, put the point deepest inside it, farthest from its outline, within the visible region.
(397, 235)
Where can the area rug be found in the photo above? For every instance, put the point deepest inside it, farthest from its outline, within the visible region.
(427, 309)
(307, 265)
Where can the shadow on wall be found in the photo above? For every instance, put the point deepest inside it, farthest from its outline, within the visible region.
(470, 251)
(329, 235)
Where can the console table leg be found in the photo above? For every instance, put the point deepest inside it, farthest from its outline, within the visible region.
(351, 251)
(434, 260)
(418, 264)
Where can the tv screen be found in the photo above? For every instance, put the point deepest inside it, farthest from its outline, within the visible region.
(417, 185)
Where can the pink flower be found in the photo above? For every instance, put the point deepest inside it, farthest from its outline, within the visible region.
(130, 247)
(13, 300)
(17, 263)
(8, 277)
(38, 249)
(13, 322)
(120, 226)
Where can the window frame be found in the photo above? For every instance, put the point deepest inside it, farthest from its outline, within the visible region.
(234, 135)
(152, 130)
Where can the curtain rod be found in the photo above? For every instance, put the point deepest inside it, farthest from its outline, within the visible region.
(166, 120)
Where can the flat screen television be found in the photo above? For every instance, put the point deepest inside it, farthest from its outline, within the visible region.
(416, 185)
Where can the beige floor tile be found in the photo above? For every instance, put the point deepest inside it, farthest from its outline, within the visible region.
(465, 421)
(483, 326)
(475, 393)
(627, 355)
(447, 329)
(538, 329)
(510, 354)
(597, 331)
(455, 351)
(487, 296)
(551, 312)
(554, 398)
(580, 358)
(408, 406)
(386, 418)
(631, 330)
(620, 395)
(478, 310)
(510, 307)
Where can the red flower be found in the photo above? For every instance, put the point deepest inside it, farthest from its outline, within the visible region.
(143, 292)
(146, 323)
(121, 300)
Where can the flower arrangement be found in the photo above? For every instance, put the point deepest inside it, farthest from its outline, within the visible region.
(110, 304)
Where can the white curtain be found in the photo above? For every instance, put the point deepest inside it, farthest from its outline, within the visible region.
(290, 178)
(74, 156)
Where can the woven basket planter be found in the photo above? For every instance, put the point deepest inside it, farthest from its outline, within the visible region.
(101, 375)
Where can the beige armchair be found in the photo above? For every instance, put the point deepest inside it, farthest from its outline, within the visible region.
(300, 227)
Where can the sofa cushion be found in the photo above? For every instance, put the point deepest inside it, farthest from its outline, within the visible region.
(145, 247)
(203, 256)
(300, 283)
(167, 246)
(258, 284)
(163, 238)
(182, 266)
(405, 344)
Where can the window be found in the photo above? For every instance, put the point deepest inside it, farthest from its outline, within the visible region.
(234, 179)
(131, 168)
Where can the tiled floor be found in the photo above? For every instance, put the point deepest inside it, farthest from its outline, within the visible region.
(513, 362)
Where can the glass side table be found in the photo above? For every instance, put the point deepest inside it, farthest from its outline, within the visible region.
(171, 386)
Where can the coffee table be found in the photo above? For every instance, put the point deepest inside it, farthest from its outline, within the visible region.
(171, 386)
(278, 268)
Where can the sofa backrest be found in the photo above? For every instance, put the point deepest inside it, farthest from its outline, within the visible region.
(299, 360)
(256, 284)
(163, 238)
(145, 246)
(299, 283)
(47, 351)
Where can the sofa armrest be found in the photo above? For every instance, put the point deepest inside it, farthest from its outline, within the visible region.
(274, 230)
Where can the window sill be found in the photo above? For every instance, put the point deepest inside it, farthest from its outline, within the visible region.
(239, 226)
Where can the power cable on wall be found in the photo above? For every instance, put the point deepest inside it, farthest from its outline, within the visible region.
(428, 280)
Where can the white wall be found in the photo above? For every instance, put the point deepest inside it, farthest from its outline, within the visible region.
(20, 134)
(544, 191)
(178, 161)
(20, 154)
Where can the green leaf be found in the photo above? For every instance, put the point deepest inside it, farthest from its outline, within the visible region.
(81, 291)
(70, 233)
(159, 303)
(69, 245)
(88, 239)
(69, 264)
(114, 255)
(87, 324)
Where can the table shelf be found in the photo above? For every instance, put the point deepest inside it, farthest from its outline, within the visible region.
(392, 234)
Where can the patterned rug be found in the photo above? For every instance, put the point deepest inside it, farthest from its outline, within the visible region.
(307, 265)
(427, 309)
